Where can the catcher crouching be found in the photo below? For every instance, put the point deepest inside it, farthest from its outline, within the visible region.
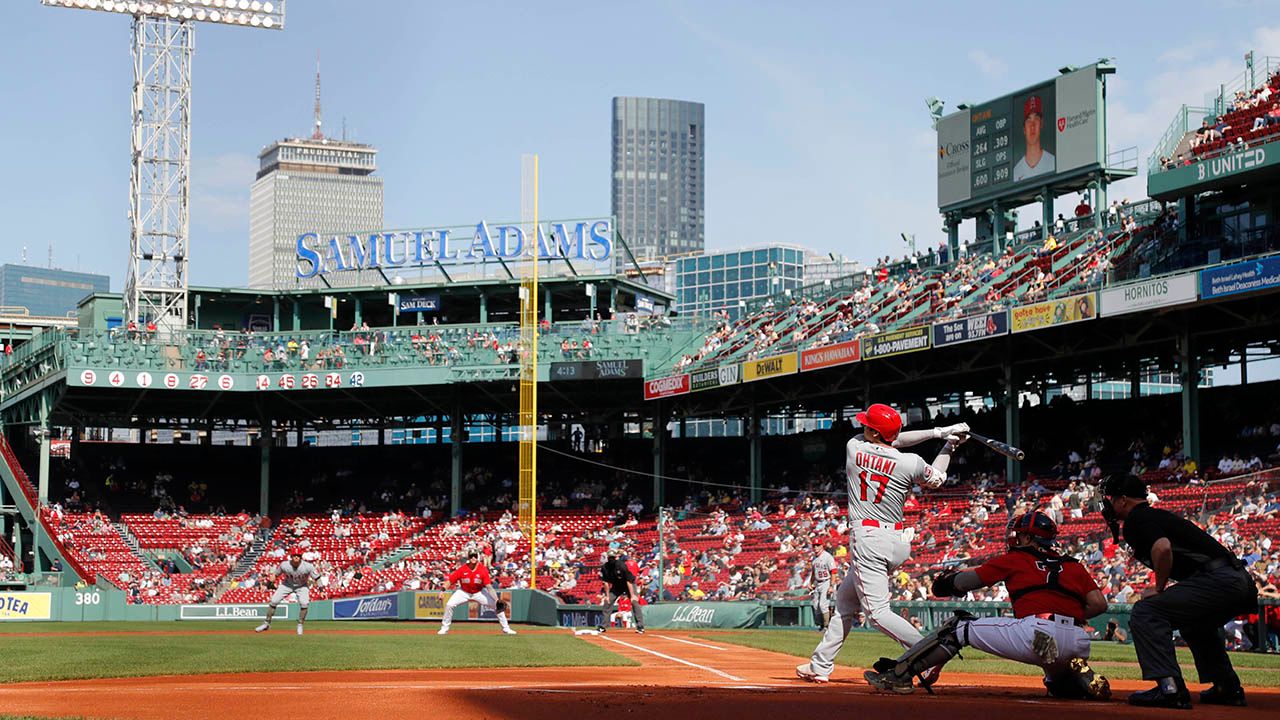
(1052, 596)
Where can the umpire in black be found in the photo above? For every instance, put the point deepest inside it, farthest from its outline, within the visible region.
(1210, 587)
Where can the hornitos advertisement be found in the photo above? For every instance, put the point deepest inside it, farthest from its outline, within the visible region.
(775, 366)
(1062, 311)
(1148, 294)
(25, 606)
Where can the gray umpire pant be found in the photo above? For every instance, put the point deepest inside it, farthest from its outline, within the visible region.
(1197, 607)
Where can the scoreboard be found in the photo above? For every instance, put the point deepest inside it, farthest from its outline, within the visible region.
(991, 151)
(1026, 139)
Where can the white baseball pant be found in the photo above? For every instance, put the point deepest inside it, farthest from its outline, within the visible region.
(486, 599)
(302, 593)
(876, 552)
(1011, 638)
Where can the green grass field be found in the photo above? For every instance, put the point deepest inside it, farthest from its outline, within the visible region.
(79, 656)
(864, 648)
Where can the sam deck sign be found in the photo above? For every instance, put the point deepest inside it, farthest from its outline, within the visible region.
(597, 370)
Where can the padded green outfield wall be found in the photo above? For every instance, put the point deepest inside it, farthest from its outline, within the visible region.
(535, 607)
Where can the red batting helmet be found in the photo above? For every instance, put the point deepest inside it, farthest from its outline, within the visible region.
(1035, 523)
(295, 550)
(883, 419)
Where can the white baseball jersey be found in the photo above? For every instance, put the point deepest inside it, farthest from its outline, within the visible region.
(880, 478)
(823, 565)
(1022, 171)
(294, 578)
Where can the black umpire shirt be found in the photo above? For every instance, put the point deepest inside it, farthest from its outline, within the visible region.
(1192, 547)
(616, 573)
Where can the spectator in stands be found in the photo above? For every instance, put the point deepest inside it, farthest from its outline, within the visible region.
(1083, 209)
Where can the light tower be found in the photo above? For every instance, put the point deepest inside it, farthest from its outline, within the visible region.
(160, 142)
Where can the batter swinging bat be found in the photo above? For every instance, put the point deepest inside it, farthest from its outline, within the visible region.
(1002, 448)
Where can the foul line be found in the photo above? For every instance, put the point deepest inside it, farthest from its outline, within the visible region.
(690, 642)
(721, 673)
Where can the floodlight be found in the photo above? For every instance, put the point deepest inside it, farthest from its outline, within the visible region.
(156, 284)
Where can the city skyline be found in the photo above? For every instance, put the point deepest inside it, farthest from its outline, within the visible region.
(804, 117)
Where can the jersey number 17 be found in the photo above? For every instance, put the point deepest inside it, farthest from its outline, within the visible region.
(866, 477)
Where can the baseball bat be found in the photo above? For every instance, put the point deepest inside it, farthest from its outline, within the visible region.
(1002, 448)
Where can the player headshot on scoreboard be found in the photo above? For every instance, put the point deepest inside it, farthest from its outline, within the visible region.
(1037, 149)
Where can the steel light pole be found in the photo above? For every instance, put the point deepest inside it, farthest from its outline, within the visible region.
(160, 143)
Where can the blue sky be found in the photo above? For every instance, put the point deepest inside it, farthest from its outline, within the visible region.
(816, 127)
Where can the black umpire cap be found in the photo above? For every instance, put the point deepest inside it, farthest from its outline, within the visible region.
(1130, 486)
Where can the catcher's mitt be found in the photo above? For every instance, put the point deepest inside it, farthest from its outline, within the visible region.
(945, 584)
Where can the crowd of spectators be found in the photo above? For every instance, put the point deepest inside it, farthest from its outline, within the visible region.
(1251, 115)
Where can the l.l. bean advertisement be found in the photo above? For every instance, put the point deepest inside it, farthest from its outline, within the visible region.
(1062, 311)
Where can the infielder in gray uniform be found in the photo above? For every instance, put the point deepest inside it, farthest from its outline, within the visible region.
(880, 478)
(823, 566)
(295, 578)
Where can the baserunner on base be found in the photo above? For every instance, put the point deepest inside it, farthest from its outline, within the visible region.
(1052, 594)
(294, 576)
(880, 478)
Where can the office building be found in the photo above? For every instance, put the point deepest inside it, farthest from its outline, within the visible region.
(659, 190)
(729, 279)
(47, 292)
(310, 185)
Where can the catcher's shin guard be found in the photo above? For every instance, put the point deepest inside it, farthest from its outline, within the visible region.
(1080, 682)
(933, 650)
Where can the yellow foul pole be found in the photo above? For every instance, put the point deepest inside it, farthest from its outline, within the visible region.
(528, 473)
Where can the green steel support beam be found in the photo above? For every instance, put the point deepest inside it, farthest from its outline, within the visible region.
(359, 308)
(757, 458)
(455, 446)
(275, 314)
(266, 439)
(297, 315)
(1046, 213)
(660, 413)
(1189, 374)
(484, 307)
(1012, 424)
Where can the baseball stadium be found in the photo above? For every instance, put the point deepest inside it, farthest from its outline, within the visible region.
(539, 475)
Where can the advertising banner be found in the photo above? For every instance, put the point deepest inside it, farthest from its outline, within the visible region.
(895, 343)
(376, 607)
(1242, 277)
(954, 332)
(705, 615)
(597, 370)
(775, 366)
(231, 612)
(25, 605)
(419, 303)
(666, 386)
(1148, 294)
(830, 356)
(1062, 311)
(953, 159)
(715, 377)
(1077, 121)
(429, 605)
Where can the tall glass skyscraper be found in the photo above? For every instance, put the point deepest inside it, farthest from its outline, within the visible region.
(310, 185)
(659, 189)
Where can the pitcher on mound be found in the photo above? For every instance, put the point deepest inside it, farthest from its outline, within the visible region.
(880, 478)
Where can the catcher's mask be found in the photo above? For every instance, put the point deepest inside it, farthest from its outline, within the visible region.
(1032, 528)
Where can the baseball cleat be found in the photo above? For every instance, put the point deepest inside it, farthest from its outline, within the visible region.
(442, 631)
(600, 628)
(508, 631)
(804, 672)
(889, 682)
(1096, 687)
(1178, 699)
(930, 676)
(639, 631)
(299, 628)
(1045, 647)
(263, 627)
